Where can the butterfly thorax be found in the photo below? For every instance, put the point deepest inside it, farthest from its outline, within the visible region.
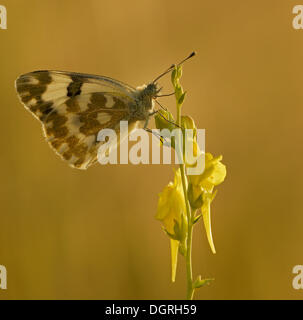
(144, 101)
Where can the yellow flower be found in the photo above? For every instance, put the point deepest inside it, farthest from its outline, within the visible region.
(171, 204)
(216, 173)
(213, 174)
(172, 213)
(200, 191)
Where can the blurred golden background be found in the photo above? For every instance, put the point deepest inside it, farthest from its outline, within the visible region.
(68, 234)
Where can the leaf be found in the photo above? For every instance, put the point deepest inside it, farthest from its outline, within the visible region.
(202, 282)
(181, 99)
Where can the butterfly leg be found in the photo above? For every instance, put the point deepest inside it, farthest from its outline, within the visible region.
(161, 138)
(147, 120)
(162, 116)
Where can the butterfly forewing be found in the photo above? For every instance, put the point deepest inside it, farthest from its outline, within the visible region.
(73, 108)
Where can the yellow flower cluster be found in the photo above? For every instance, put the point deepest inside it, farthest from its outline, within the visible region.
(171, 206)
(180, 201)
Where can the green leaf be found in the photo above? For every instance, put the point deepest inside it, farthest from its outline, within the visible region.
(201, 282)
(181, 99)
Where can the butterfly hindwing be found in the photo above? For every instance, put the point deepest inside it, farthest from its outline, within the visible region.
(73, 108)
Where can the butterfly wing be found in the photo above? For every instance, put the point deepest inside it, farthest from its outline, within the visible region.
(73, 108)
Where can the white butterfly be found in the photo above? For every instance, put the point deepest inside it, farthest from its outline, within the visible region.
(74, 107)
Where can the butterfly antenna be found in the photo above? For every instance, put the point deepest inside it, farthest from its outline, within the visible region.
(190, 56)
(165, 72)
(173, 66)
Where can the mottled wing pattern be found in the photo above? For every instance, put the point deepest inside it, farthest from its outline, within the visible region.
(73, 108)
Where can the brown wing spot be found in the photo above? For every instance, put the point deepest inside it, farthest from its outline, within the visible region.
(98, 100)
(57, 143)
(80, 150)
(45, 108)
(74, 88)
(24, 85)
(79, 162)
(43, 77)
(89, 117)
(72, 141)
(72, 105)
(67, 155)
(119, 104)
(28, 90)
(33, 91)
(76, 148)
(91, 125)
(58, 130)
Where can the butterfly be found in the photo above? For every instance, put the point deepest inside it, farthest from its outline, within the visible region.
(73, 107)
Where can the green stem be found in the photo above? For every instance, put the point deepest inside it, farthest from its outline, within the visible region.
(188, 257)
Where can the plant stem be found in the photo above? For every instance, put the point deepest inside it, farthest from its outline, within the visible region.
(188, 257)
(190, 288)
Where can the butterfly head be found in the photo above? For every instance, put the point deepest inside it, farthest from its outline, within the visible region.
(146, 94)
(152, 90)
